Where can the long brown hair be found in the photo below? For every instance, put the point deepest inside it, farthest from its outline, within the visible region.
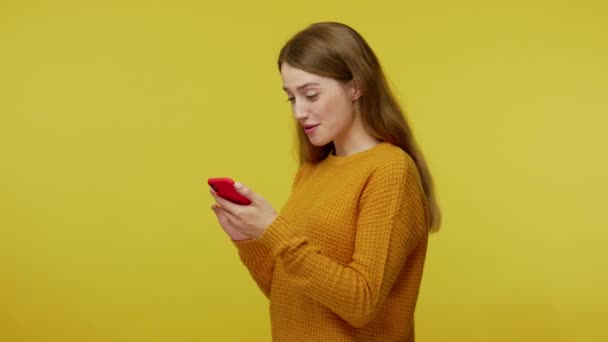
(335, 50)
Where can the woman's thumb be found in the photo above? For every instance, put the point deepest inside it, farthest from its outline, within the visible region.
(245, 191)
(242, 189)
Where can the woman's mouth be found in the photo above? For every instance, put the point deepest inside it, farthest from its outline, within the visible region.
(310, 129)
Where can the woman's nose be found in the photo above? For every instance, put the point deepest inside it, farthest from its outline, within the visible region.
(300, 111)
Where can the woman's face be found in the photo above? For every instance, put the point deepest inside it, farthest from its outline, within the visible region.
(324, 103)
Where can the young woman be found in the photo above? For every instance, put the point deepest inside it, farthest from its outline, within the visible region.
(343, 260)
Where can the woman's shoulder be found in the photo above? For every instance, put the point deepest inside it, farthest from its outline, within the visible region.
(393, 158)
(302, 172)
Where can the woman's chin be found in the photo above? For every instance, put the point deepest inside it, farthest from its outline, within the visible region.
(318, 142)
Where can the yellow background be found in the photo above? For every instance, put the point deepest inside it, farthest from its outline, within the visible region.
(114, 113)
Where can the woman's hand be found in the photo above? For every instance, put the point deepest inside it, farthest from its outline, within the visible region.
(243, 222)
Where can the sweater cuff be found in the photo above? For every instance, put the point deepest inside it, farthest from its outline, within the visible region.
(251, 249)
(278, 235)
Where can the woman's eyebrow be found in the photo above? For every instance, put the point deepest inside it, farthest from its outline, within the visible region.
(303, 85)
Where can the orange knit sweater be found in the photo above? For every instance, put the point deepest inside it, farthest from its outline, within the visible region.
(343, 260)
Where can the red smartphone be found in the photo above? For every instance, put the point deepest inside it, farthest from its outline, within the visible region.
(224, 187)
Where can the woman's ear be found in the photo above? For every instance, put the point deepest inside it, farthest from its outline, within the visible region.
(355, 90)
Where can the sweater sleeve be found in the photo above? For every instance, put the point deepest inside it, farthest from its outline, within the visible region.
(393, 219)
(258, 258)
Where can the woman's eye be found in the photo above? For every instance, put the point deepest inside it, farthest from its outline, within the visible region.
(309, 97)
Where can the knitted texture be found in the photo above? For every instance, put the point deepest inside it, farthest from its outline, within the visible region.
(343, 260)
